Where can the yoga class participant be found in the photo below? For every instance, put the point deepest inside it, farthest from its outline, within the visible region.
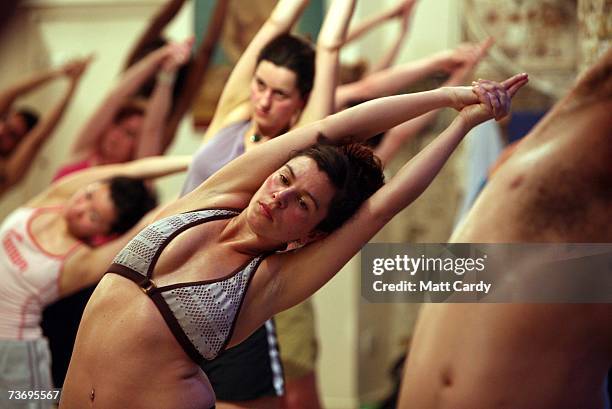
(554, 188)
(205, 275)
(121, 129)
(45, 256)
(22, 134)
(188, 81)
(272, 88)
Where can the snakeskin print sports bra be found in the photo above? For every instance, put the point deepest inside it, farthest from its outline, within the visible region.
(201, 314)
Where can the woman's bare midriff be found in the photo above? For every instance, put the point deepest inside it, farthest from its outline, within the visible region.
(126, 357)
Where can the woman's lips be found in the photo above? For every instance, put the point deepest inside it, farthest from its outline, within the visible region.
(265, 209)
(259, 112)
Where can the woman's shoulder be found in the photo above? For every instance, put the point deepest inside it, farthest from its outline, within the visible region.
(241, 113)
(228, 136)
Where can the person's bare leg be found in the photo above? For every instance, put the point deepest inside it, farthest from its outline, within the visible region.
(302, 393)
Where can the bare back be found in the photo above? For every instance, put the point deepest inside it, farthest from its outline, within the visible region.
(554, 188)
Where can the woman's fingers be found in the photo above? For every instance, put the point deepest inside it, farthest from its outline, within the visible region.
(505, 100)
(484, 97)
(516, 79)
(495, 98)
(516, 86)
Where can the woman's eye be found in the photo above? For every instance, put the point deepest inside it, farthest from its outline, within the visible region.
(279, 96)
(284, 179)
(303, 204)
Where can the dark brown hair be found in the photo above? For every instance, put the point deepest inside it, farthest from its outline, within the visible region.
(294, 54)
(354, 171)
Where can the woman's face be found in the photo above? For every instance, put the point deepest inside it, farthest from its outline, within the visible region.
(291, 202)
(90, 211)
(119, 141)
(275, 97)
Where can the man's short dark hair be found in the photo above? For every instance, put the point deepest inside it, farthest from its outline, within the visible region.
(132, 200)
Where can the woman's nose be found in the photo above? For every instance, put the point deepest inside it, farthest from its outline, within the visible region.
(283, 196)
(265, 99)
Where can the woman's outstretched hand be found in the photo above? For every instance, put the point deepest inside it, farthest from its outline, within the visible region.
(494, 99)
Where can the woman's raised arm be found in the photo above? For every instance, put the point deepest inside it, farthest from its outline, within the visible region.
(148, 168)
(397, 136)
(127, 85)
(14, 168)
(150, 140)
(245, 174)
(397, 78)
(303, 272)
(195, 73)
(333, 32)
(402, 10)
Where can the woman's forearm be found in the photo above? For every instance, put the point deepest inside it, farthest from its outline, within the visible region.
(128, 84)
(156, 115)
(286, 13)
(334, 29)
(362, 121)
(154, 30)
(22, 87)
(322, 98)
(155, 166)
